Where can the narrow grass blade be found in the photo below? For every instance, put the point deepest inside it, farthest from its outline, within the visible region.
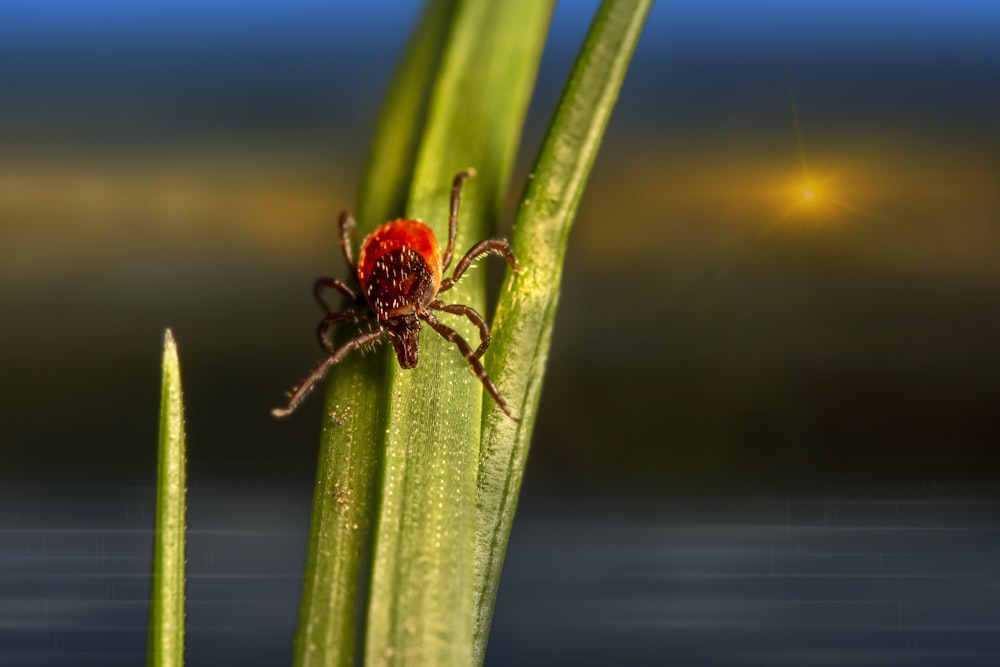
(334, 591)
(527, 307)
(421, 603)
(166, 617)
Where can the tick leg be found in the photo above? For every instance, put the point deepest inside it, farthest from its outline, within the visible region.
(452, 336)
(456, 196)
(308, 383)
(335, 284)
(347, 226)
(474, 317)
(329, 321)
(496, 246)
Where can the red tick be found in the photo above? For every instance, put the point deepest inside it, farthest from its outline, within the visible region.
(399, 270)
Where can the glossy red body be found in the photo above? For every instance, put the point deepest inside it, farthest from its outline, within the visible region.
(412, 234)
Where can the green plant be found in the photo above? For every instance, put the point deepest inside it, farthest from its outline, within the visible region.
(418, 476)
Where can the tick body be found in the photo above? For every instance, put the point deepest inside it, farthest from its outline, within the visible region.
(400, 270)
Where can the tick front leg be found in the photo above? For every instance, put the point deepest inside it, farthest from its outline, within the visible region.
(347, 226)
(474, 317)
(333, 319)
(456, 197)
(496, 246)
(308, 383)
(335, 284)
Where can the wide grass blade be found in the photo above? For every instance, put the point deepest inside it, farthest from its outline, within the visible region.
(334, 594)
(421, 599)
(166, 614)
(390, 558)
(526, 311)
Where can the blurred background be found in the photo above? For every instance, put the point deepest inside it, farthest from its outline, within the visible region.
(769, 430)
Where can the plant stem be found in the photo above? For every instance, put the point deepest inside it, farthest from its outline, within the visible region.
(527, 307)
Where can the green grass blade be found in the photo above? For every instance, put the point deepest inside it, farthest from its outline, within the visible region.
(527, 307)
(421, 603)
(166, 617)
(397, 138)
(334, 594)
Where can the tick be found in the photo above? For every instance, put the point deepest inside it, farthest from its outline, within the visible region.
(399, 271)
